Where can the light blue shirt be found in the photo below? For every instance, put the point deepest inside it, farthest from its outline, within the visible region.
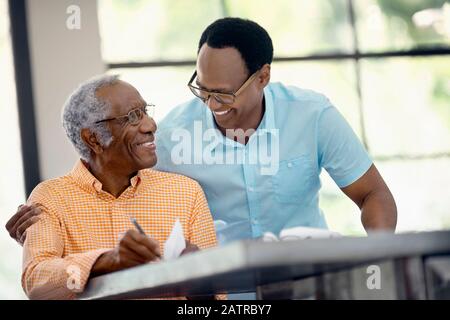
(301, 132)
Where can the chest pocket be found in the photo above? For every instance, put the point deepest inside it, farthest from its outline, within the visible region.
(293, 180)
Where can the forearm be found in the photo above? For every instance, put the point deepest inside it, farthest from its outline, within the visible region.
(379, 212)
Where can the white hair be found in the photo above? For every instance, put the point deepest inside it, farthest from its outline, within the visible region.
(82, 109)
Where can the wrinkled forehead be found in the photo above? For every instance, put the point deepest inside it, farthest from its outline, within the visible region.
(122, 97)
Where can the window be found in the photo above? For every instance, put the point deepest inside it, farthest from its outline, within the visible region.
(383, 63)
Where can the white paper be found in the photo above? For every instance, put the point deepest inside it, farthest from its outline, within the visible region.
(269, 237)
(175, 244)
(298, 233)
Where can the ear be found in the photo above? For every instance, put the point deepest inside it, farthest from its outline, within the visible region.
(90, 139)
(264, 75)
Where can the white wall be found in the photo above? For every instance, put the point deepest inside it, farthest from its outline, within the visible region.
(60, 59)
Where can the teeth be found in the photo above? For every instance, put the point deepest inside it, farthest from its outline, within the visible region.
(146, 144)
(221, 113)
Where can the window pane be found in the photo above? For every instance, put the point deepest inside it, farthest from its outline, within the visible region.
(12, 191)
(421, 191)
(336, 80)
(164, 86)
(406, 105)
(299, 27)
(140, 30)
(341, 214)
(402, 24)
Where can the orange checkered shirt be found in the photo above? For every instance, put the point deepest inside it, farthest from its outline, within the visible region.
(80, 221)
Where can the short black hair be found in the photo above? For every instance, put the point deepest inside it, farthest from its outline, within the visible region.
(249, 38)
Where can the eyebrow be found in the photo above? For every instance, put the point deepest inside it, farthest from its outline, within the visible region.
(138, 104)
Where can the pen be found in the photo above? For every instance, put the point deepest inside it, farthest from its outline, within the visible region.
(136, 224)
(141, 231)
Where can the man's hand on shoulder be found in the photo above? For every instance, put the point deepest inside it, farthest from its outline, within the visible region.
(25, 217)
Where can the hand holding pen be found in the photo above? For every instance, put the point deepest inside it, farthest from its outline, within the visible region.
(143, 236)
(135, 248)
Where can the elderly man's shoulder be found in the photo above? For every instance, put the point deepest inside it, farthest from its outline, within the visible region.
(170, 180)
(53, 188)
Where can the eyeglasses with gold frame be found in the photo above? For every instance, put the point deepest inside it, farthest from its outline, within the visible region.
(135, 116)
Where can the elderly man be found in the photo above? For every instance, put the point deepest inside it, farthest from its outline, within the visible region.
(84, 228)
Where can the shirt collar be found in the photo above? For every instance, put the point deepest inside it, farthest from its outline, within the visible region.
(81, 174)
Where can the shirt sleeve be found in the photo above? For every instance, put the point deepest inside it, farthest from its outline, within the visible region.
(202, 231)
(47, 273)
(340, 152)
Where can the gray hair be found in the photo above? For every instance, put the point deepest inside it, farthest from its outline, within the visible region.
(82, 109)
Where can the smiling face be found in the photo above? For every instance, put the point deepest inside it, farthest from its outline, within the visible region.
(133, 146)
(223, 70)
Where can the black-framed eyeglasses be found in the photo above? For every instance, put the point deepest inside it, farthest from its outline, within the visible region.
(221, 97)
(135, 116)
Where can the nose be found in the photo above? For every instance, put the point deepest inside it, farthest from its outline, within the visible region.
(148, 124)
(212, 103)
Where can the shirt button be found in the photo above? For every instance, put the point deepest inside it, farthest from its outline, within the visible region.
(254, 221)
(289, 164)
(251, 189)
